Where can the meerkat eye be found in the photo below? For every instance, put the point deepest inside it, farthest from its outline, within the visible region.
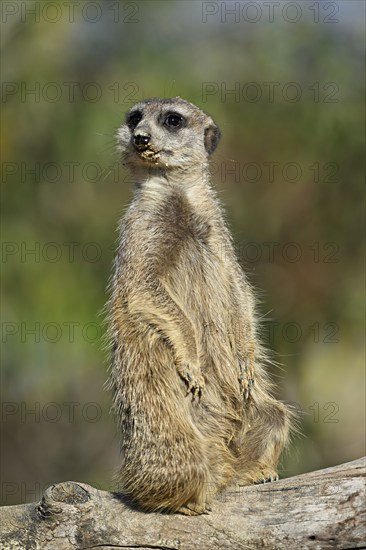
(173, 120)
(133, 119)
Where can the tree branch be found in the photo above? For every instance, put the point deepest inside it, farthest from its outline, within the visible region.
(317, 510)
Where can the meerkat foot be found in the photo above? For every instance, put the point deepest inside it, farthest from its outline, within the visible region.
(265, 475)
(194, 509)
(195, 381)
(259, 476)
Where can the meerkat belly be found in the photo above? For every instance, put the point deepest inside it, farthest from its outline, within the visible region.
(210, 299)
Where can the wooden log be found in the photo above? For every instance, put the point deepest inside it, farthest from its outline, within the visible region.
(317, 510)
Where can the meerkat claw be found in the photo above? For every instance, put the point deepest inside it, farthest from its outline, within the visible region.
(246, 379)
(195, 385)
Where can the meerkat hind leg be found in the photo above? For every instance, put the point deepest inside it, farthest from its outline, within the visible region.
(263, 444)
(199, 504)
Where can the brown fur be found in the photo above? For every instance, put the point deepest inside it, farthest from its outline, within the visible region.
(191, 393)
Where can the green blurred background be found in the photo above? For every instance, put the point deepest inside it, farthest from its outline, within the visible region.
(285, 84)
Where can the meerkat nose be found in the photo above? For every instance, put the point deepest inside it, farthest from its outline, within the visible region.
(141, 141)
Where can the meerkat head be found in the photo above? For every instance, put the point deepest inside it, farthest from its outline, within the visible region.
(167, 134)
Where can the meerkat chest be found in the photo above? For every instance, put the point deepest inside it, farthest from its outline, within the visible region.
(184, 237)
(202, 275)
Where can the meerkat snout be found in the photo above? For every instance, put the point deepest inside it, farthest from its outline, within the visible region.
(141, 141)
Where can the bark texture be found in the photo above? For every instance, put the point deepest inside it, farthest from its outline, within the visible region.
(317, 510)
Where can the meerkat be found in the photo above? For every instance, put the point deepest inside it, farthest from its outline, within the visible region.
(190, 389)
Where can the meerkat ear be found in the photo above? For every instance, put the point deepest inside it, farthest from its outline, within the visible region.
(212, 138)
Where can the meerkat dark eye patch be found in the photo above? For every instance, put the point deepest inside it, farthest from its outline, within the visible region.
(173, 121)
(133, 119)
(211, 138)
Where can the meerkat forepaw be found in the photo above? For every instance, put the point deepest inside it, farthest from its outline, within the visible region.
(195, 382)
(195, 385)
(246, 378)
